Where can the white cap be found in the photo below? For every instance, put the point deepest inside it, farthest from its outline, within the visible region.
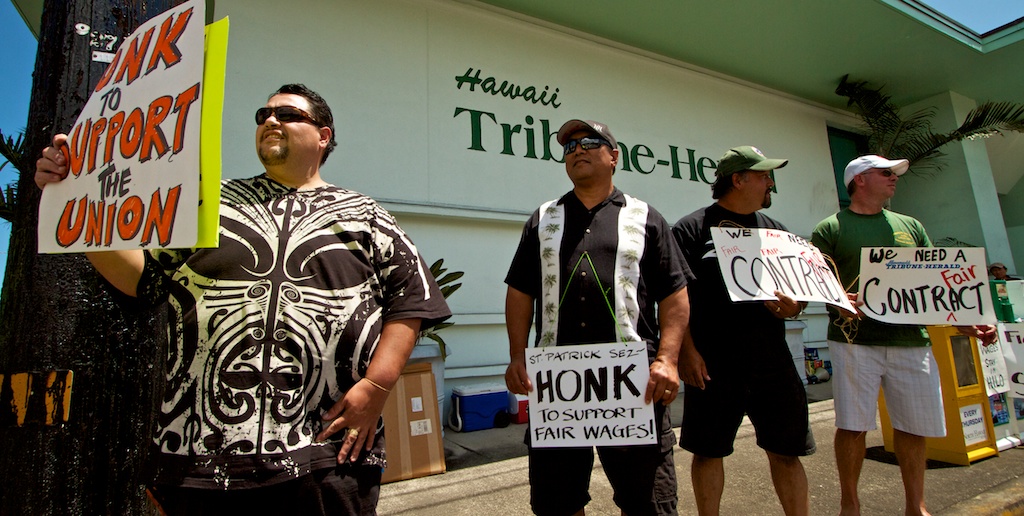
(865, 163)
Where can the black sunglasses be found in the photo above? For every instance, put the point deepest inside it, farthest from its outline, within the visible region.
(589, 142)
(285, 114)
(886, 172)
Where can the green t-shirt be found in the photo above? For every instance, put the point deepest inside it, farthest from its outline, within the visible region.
(841, 237)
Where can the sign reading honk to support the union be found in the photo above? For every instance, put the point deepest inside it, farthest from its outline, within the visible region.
(133, 155)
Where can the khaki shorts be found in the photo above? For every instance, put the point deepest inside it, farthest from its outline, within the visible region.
(908, 377)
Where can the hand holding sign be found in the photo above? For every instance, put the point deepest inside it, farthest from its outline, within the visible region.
(129, 174)
(784, 306)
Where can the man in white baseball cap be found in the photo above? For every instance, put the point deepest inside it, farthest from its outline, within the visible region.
(864, 164)
(867, 354)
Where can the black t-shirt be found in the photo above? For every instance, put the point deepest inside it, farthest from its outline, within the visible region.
(720, 327)
(586, 288)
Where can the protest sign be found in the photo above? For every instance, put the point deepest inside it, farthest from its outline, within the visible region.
(925, 285)
(133, 155)
(590, 395)
(1011, 335)
(993, 365)
(755, 262)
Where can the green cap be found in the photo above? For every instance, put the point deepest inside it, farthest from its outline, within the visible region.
(738, 159)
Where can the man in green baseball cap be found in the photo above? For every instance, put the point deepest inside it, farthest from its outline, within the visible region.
(743, 159)
(755, 369)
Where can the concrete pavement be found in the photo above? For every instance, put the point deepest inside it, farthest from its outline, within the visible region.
(487, 475)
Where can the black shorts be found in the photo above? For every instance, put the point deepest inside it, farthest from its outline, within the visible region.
(769, 392)
(643, 478)
(345, 489)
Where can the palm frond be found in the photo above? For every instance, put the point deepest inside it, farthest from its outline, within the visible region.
(8, 199)
(991, 118)
(910, 136)
(13, 150)
(951, 242)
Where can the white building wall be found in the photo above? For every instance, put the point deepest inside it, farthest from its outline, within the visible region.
(406, 130)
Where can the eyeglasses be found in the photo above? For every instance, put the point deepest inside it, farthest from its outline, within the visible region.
(886, 172)
(590, 142)
(285, 114)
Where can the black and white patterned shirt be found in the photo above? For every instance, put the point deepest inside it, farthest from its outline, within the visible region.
(270, 328)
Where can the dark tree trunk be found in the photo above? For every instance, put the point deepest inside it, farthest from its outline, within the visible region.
(57, 314)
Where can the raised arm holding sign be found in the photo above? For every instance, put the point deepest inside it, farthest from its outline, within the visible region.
(247, 320)
(132, 158)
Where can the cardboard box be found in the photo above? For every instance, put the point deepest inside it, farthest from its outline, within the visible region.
(412, 427)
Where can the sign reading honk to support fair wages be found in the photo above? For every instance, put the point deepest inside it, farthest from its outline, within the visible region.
(590, 395)
(925, 285)
(756, 262)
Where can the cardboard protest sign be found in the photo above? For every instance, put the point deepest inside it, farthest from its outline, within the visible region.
(590, 395)
(1011, 336)
(993, 365)
(755, 262)
(134, 153)
(925, 285)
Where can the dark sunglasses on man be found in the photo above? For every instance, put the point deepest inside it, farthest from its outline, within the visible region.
(285, 114)
(589, 142)
(886, 172)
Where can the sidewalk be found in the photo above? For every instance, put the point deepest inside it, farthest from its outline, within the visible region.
(487, 475)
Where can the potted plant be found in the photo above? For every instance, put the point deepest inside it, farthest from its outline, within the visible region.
(444, 280)
(429, 336)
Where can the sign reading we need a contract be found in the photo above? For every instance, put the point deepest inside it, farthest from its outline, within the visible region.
(133, 154)
(590, 395)
(756, 262)
(925, 285)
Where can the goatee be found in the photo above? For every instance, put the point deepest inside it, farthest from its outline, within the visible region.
(274, 156)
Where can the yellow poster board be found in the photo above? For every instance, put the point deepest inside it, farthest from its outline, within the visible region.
(214, 66)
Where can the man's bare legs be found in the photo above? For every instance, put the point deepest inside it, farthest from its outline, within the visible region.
(708, 477)
(850, 447)
(790, 484)
(910, 452)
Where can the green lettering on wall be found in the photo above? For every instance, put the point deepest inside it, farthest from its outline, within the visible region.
(641, 151)
(546, 131)
(704, 162)
(506, 132)
(676, 173)
(475, 117)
